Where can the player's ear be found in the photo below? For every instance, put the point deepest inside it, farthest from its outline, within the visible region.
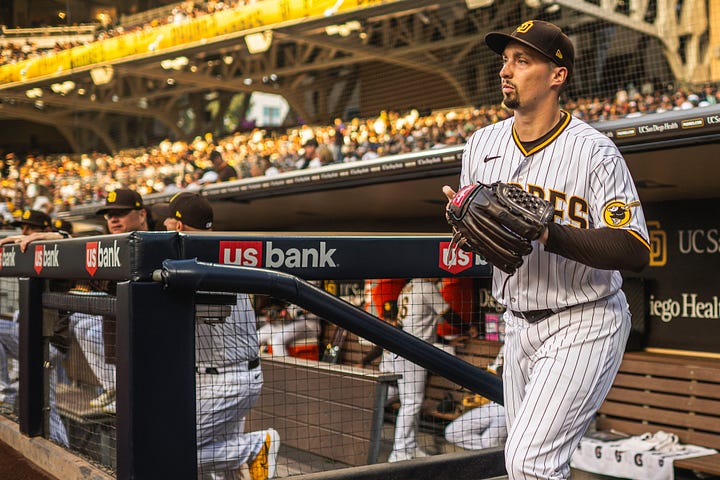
(560, 75)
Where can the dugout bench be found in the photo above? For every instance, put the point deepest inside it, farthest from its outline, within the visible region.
(672, 393)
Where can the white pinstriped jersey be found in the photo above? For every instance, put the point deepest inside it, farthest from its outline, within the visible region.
(582, 173)
(420, 305)
(234, 340)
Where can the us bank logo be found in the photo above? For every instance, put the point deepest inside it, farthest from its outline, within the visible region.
(456, 260)
(658, 244)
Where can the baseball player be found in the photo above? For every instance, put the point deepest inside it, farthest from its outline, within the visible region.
(420, 306)
(228, 374)
(33, 223)
(567, 319)
(124, 212)
(478, 428)
(483, 426)
(285, 325)
(379, 291)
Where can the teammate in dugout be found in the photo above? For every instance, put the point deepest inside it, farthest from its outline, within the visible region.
(124, 212)
(35, 223)
(567, 319)
(483, 424)
(286, 323)
(228, 374)
(420, 306)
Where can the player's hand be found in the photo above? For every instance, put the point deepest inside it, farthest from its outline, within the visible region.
(37, 236)
(458, 341)
(449, 192)
(25, 240)
(11, 239)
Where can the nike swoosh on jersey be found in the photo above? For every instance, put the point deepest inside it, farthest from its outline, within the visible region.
(489, 158)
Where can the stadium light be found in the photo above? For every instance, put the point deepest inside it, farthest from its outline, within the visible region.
(34, 93)
(102, 75)
(473, 4)
(174, 63)
(259, 42)
(345, 29)
(63, 88)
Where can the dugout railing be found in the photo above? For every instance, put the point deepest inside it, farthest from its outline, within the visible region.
(158, 275)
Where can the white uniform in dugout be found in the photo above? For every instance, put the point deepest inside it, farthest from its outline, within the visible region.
(576, 350)
(420, 306)
(227, 387)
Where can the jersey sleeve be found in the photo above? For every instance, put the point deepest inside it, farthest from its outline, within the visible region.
(466, 159)
(614, 201)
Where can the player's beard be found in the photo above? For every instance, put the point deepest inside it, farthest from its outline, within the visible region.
(511, 100)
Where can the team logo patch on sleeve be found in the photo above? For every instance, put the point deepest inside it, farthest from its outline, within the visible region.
(617, 214)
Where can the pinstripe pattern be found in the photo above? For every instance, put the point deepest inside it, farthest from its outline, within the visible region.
(557, 373)
(224, 399)
(584, 167)
(229, 342)
(558, 370)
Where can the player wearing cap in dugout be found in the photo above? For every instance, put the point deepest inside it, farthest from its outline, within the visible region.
(226, 359)
(34, 222)
(567, 320)
(124, 212)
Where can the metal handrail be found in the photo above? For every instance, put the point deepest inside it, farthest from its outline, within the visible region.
(192, 275)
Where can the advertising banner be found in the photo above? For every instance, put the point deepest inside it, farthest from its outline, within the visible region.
(683, 278)
(127, 256)
(136, 255)
(339, 257)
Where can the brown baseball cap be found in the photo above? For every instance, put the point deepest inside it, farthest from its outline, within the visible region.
(544, 37)
(36, 218)
(190, 208)
(121, 199)
(60, 224)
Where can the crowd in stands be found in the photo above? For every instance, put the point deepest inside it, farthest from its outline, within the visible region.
(59, 182)
(13, 52)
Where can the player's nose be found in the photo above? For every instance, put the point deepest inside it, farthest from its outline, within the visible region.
(506, 71)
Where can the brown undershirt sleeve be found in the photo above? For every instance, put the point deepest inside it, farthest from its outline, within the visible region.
(603, 248)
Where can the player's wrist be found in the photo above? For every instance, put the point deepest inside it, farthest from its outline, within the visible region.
(544, 236)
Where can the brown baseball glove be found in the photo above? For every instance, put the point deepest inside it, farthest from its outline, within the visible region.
(498, 222)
